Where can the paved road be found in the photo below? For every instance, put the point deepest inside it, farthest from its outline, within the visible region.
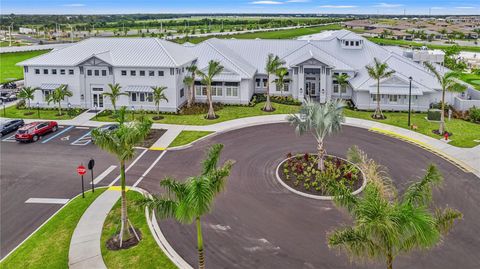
(257, 223)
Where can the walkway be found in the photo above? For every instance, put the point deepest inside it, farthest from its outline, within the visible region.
(85, 252)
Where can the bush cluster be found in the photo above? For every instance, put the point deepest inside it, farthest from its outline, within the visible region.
(286, 100)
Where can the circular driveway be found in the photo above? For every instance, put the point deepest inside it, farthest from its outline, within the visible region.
(257, 223)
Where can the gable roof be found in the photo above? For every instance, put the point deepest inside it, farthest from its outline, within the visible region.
(129, 52)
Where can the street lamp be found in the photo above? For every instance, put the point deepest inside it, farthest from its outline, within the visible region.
(96, 111)
(38, 109)
(133, 112)
(409, 100)
(70, 109)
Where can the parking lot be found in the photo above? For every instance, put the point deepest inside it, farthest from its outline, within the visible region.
(38, 178)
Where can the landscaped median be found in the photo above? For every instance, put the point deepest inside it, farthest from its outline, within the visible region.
(48, 247)
(42, 113)
(187, 137)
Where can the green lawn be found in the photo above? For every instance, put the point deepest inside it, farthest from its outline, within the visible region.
(392, 42)
(146, 254)
(46, 114)
(280, 34)
(464, 132)
(187, 137)
(225, 114)
(471, 79)
(8, 70)
(48, 247)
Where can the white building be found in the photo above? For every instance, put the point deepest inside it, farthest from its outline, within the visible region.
(137, 64)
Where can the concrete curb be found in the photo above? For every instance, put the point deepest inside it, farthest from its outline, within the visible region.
(312, 196)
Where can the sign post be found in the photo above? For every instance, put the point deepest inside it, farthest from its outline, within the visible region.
(91, 164)
(81, 171)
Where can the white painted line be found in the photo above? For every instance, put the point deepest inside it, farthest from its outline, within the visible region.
(130, 166)
(83, 140)
(149, 168)
(104, 174)
(82, 127)
(61, 127)
(56, 135)
(46, 201)
(10, 139)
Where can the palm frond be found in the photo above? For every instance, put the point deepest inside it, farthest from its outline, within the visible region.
(420, 193)
(209, 164)
(354, 242)
(444, 219)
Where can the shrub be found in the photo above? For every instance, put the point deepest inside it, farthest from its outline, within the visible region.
(434, 114)
(286, 100)
(20, 104)
(474, 114)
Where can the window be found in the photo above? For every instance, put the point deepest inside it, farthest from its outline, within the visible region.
(97, 73)
(393, 98)
(37, 71)
(54, 71)
(124, 72)
(142, 73)
(151, 73)
(335, 88)
(172, 71)
(70, 71)
(62, 72)
(149, 97)
(104, 73)
(25, 69)
(133, 73)
(265, 81)
(357, 43)
(182, 92)
(133, 96)
(344, 89)
(81, 70)
(46, 93)
(374, 97)
(97, 89)
(200, 90)
(217, 91)
(45, 71)
(231, 89)
(160, 73)
(142, 97)
(89, 72)
(257, 81)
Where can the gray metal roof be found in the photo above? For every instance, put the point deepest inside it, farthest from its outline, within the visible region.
(129, 52)
(138, 88)
(49, 86)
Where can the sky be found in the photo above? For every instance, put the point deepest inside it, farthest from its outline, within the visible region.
(400, 7)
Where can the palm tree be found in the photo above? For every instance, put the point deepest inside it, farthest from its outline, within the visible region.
(281, 73)
(273, 64)
(321, 120)
(27, 93)
(191, 97)
(342, 81)
(121, 143)
(114, 94)
(188, 201)
(378, 72)
(189, 83)
(158, 96)
(57, 96)
(386, 226)
(214, 68)
(448, 83)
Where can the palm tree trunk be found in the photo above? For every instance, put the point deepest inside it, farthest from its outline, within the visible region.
(441, 130)
(378, 111)
(158, 109)
(193, 89)
(124, 231)
(321, 156)
(59, 108)
(268, 105)
(201, 255)
(211, 111)
(389, 261)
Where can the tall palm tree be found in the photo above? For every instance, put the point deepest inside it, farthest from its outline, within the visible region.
(114, 94)
(449, 83)
(214, 68)
(342, 81)
(378, 72)
(281, 73)
(273, 64)
(387, 226)
(158, 96)
(193, 68)
(190, 84)
(321, 120)
(58, 95)
(188, 201)
(27, 93)
(121, 143)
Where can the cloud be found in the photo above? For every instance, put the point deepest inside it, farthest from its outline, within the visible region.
(266, 2)
(74, 5)
(437, 8)
(297, 1)
(387, 5)
(335, 6)
(465, 7)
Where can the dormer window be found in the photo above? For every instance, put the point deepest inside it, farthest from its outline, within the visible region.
(352, 44)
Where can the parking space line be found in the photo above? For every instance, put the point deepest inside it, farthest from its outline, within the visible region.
(83, 140)
(56, 135)
(82, 127)
(104, 174)
(149, 169)
(130, 166)
(46, 201)
(10, 139)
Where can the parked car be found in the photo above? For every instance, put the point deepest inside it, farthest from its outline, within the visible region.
(9, 126)
(106, 128)
(34, 130)
(8, 97)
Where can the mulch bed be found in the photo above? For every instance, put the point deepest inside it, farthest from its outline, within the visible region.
(152, 137)
(114, 242)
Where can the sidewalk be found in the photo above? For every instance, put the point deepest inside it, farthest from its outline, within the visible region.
(85, 252)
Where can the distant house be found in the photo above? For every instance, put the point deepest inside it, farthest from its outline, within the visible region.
(27, 31)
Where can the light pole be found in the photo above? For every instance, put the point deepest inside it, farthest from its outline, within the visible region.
(96, 111)
(4, 111)
(409, 100)
(70, 109)
(133, 112)
(38, 110)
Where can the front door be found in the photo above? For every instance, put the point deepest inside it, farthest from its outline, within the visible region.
(98, 100)
(310, 89)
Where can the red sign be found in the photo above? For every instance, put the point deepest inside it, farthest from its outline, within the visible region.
(81, 170)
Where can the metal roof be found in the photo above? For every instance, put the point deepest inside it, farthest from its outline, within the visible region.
(396, 90)
(49, 86)
(138, 88)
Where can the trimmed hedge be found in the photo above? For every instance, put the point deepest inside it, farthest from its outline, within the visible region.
(434, 114)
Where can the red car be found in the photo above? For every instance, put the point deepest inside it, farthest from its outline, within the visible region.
(33, 131)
